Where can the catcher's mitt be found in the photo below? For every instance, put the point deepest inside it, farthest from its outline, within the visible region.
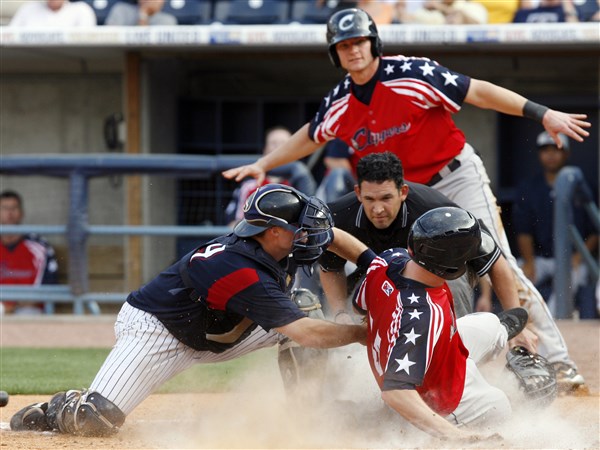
(536, 376)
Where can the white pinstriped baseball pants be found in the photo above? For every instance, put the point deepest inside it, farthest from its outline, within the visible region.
(469, 187)
(146, 355)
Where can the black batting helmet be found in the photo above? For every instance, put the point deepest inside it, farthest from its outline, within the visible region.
(277, 205)
(443, 240)
(351, 23)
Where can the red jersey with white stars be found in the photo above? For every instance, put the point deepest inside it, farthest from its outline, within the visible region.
(405, 109)
(412, 338)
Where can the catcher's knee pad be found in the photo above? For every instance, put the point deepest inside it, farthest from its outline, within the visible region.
(84, 413)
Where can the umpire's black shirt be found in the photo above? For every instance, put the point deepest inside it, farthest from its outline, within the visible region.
(349, 215)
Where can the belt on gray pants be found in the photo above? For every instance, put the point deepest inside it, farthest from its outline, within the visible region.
(448, 168)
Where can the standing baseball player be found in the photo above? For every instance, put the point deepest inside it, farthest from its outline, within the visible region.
(380, 213)
(221, 301)
(404, 105)
(424, 360)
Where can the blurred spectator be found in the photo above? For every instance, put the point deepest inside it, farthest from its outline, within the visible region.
(503, 11)
(533, 219)
(452, 12)
(295, 174)
(383, 12)
(54, 13)
(548, 11)
(587, 10)
(339, 178)
(144, 12)
(25, 259)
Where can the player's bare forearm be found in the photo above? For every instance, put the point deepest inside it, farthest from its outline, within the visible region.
(504, 285)
(409, 404)
(296, 147)
(317, 333)
(335, 287)
(346, 246)
(486, 95)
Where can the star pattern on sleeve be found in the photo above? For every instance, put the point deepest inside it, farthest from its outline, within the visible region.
(411, 337)
(389, 69)
(449, 79)
(327, 100)
(346, 83)
(413, 298)
(406, 66)
(415, 314)
(336, 90)
(405, 364)
(427, 69)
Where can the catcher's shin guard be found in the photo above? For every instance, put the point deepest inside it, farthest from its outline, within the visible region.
(303, 367)
(537, 378)
(84, 413)
(31, 418)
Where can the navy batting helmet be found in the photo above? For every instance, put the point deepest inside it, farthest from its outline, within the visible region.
(277, 205)
(444, 239)
(351, 23)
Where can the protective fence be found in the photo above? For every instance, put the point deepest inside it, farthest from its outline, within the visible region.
(79, 169)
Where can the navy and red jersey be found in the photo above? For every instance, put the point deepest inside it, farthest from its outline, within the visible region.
(30, 261)
(231, 286)
(405, 109)
(412, 339)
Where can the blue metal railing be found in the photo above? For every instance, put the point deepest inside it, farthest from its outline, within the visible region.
(570, 187)
(79, 168)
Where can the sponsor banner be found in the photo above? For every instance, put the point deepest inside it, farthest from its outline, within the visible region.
(296, 35)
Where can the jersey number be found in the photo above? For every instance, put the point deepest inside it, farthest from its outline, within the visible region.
(208, 251)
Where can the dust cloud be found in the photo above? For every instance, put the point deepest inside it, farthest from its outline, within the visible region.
(346, 411)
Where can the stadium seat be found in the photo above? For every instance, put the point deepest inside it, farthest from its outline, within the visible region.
(189, 12)
(308, 12)
(101, 8)
(248, 12)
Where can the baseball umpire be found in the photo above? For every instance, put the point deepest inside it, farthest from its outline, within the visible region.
(424, 360)
(404, 105)
(223, 300)
(380, 213)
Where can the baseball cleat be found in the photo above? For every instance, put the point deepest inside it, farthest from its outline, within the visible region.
(514, 320)
(567, 377)
(31, 418)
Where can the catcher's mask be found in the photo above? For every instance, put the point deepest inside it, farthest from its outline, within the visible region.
(351, 23)
(444, 239)
(276, 205)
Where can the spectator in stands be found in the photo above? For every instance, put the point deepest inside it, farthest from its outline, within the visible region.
(587, 10)
(54, 13)
(504, 11)
(383, 12)
(548, 11)
(451, 12)
(533, 223)
(295, 174)
(339, 178)
(25, 259)
(145, 12)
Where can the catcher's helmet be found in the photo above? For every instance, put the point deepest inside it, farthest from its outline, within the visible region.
(444, 239)
(277, 205)
(351, 23)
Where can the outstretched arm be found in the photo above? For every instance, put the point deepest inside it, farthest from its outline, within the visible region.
(296, 147)
(317, 333)
(486, 95)
(409, 404)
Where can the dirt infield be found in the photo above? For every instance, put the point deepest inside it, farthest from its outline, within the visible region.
(257, 414)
